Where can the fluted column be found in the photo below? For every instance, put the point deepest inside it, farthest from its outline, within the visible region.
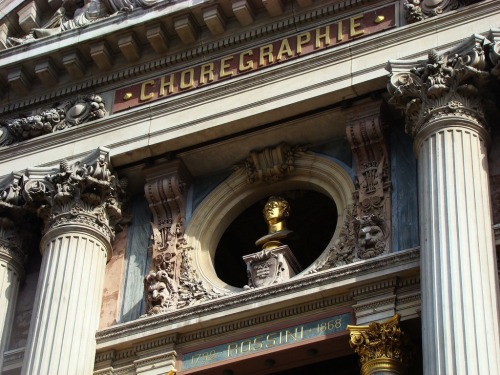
(443, 104)
(80, 207)
(11, 273)
(379, 346)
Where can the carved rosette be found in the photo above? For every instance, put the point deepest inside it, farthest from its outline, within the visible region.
(271, 164)
(71, 113)
(444, 85)
(379, 346)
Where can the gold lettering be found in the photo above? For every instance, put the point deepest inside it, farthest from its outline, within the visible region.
(190, 83)
(246, 65)
(295, 336)
(266, 51)
(353, 31)
(224, 65)
(302, 39)
(284, 48)
(169, 85)
(325, 37)
(248, 347)
(143, 90)
(257, 344)
(207, 73)
(340, 32)
(230, 349)
(270, 341)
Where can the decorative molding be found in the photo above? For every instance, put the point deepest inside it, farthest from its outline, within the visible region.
(270, 164)
(255, 295)
(418, 10)
(276, 27)
(444, 85)
(71, 113)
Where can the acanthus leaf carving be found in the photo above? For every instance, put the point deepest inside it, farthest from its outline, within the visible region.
(270, 164)
(418, 10)
(71, 113)
(444, 84)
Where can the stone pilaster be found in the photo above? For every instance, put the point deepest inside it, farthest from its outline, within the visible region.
(80, 207)
(11, 273)
(379, 346)
(442, 101)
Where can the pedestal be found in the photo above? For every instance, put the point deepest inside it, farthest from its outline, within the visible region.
(271, 266)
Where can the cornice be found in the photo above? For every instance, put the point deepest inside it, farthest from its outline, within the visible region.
(260, 32)
(375, 268)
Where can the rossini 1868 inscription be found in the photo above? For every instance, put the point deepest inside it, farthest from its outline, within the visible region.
(335, 33)
(265, 341)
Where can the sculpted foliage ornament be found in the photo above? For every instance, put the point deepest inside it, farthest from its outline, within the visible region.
(69, 114)
(271, 164)
(442, 85)
(417, 10)
(378, 342)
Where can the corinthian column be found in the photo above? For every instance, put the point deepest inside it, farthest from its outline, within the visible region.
(443, 105)
(79, 205)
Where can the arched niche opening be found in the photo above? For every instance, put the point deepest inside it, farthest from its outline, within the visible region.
(311, 173)
(313, 219)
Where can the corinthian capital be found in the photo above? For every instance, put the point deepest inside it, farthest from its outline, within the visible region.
(86, 193)
(444, 84)
(379, 346)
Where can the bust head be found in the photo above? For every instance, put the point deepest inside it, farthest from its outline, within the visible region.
(276, 209)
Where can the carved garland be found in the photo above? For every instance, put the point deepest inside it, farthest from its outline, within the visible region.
(71, 113)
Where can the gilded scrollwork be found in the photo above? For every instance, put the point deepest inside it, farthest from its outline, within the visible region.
(379, 342)
(71, 113)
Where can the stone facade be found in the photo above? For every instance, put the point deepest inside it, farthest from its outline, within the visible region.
(141, 139)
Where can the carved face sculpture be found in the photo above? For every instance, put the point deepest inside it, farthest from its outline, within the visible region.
(370, 239)
(158, 295)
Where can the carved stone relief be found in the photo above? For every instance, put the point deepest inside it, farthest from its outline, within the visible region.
(444, 84)
(86, 193)
(71, 16)
(271, 164)
(166, 190)
(71, 113)
(418, 10)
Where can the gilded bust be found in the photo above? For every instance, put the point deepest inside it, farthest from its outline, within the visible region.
(275, 211)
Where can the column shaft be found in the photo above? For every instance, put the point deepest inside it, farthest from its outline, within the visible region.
(459, 281)
(67, 304)
(9, 288)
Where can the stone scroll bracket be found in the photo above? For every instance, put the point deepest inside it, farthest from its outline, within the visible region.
(373, 183)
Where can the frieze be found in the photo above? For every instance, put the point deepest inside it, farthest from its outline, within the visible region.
(254, 295)
(259, 344)
(69, 114)
(307, 42)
